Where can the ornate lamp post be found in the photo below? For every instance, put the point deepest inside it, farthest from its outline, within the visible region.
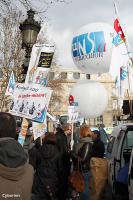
(29, 30)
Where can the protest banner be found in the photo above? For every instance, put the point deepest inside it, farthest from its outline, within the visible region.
(73, 112)
(30, 101)
(72, 117)
(39, 129)
(40, 62)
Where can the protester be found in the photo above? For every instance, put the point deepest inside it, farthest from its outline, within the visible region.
(98, 148)
(98, 168)
(83, 150)
(34, 153)
(62, 135)
(48, 171)
(16, 175)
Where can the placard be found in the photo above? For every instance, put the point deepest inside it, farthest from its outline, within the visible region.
(30, 101)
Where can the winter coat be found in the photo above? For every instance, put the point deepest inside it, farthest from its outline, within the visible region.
(34, 154)
(16, 175)
(98, 148)
(83, 150)
(62, 144)
(62, 141)
(49, 169)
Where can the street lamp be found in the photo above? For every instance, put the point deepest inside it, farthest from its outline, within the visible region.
(29, 30)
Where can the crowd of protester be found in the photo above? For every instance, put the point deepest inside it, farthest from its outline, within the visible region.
(43, 173)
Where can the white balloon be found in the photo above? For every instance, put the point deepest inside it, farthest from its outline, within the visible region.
(91, 97)
(91, 48)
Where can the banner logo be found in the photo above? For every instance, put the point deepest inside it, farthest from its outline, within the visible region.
(88, 45)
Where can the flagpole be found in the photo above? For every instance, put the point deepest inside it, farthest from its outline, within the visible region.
(117, 14)
(130, 59)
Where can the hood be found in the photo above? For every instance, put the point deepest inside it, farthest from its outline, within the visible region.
(85, 139)
(49, 150)
(12, 154)
(13, 174)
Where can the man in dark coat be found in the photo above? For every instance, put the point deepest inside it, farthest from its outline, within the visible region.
(49, 170)
(98, 148)
(16, 175)
(62, 135)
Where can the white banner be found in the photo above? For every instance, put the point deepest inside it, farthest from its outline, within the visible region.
(30, 101)
(72, 114)
(40, 63)
(39, 129)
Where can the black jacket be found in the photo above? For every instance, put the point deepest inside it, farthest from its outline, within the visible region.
(61, 141)
(98, 149)
(49, 169)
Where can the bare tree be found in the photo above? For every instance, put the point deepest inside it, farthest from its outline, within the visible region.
(11, 53)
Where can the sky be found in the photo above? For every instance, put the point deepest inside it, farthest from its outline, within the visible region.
(64, 20)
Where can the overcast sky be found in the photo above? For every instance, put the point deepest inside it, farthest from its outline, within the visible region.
(66, 19)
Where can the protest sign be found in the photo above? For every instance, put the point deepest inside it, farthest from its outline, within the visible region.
(30, 101)
(73, 113)
(40, 62)
(39, 129)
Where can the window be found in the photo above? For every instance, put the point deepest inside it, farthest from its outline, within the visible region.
(100, 119)
(63, 75)
(128, 142)
(76, 75)
(87, 76)
(51, 75)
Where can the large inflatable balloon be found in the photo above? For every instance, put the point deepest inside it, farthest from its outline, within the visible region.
(91, 97)
(91, 48)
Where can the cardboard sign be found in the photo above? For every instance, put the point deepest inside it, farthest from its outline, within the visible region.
(40, 62)
(30, 101)
(39, 129)
(73, 113)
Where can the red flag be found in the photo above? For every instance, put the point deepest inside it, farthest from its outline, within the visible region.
(118, 29)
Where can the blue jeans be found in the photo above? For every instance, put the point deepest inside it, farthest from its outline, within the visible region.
(85, 195)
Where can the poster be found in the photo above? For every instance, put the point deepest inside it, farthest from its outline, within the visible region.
(30, 101)
(11, 85)
(40, 62)
(39, 129)
(73, 113)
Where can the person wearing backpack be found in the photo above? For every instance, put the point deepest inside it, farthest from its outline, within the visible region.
(82, 151)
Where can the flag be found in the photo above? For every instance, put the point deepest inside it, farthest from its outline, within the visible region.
(124, 82)
(120, 55)
(11, 85)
